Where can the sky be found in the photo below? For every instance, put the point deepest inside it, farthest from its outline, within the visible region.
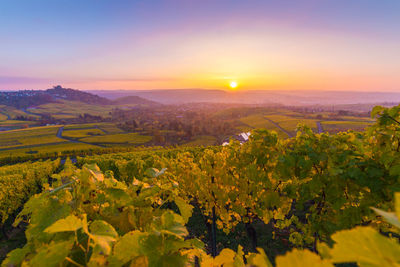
(260, 44)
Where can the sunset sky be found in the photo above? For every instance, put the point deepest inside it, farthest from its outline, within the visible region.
(99, 44)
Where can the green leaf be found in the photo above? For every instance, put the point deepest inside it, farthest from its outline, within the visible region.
(52, 255)
(395, 170)
(376, 110)
(15, 257)
(69, 224)
(151, 172)
(129, 246)
(172, 223)
(102, 243)
(300, 258)
(365, 246)
(184, 208)
(102, 228)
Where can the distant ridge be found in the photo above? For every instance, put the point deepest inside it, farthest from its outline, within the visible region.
(135, 100)
(285, 97)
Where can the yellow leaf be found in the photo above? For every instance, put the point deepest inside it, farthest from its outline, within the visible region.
(365, 246)
(300, 258)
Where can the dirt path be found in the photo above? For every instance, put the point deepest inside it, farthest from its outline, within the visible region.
(278, 126)
(59, 135)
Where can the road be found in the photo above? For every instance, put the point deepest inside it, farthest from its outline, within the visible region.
(278, 126)
(59, 135)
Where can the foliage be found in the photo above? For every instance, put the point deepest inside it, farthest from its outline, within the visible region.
(313, 190)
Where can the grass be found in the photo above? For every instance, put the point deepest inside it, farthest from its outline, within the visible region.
(340, 126)
(14, 124)
(66, 146)
(64, 116)
(109, 128)
(259, 121)
(82, 133)
(204, 140)
(128, 138)
(81, 126)
(29, 136)
(3, 117)
(72, 109)
(279, 118)
(13, 112)
(291, 125)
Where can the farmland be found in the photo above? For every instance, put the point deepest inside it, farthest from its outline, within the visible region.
(125, 128)
(60, 138)
(340, 126)
(70, 109)
(115, 139)
(285, 122)
(28, 137)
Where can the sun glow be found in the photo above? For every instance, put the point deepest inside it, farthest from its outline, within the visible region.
(233, 85)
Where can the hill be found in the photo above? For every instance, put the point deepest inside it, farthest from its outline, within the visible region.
(58, 92)
(135, 100)
(32, 98)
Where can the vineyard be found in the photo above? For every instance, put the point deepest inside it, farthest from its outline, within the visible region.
(310, 200)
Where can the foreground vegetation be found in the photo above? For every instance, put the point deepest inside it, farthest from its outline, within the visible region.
(301, 201)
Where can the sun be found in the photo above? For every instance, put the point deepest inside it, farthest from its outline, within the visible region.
(233, 85)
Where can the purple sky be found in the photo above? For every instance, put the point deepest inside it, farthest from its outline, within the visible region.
(93, 44)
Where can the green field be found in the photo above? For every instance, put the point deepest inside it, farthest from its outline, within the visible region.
(204, 140)
(340, 126)
(57, 148)
(107, 127)
(259, 121)
(30, 136)
(3, 117)
(72, 109)
(127, 139)
(82, 133)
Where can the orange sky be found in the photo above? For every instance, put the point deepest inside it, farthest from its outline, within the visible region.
(312, 45)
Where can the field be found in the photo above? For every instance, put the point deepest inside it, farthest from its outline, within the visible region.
(55, 149)
(29, 137)
(340, 126)
(59, 138)
(260, 121)
(22, 138)
(13, 113)
(115, 139)
(286, 122)
(8, 118)
(71, 109)
(81, 133)
(203, 140)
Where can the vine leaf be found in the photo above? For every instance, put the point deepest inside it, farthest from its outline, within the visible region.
(69, 224)
(365, 246)
(184, 208)
(300, 258)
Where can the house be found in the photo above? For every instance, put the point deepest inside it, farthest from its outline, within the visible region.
(242, 138)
